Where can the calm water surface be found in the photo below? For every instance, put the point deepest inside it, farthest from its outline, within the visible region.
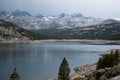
(41, 61)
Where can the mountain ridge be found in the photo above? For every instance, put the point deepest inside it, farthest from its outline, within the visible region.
(101, 31)
(13, 33)
(28, 21)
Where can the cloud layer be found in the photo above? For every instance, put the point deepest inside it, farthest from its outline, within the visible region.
(93, 8)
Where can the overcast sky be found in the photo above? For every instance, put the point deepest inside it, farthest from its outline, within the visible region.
(91, 8)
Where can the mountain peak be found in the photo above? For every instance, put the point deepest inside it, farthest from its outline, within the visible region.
(20, 13)
(3, 13)
(77, 15)
(62, 15)
(109, 21)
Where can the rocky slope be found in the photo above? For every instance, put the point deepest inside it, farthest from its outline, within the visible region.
(10, 32)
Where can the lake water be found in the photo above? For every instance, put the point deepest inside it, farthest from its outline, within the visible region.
(39, 61)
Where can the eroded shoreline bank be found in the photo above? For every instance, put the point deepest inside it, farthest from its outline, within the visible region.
(67, 40)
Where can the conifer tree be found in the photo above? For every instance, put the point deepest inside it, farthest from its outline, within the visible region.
(100, 63)
(64, 70)
(116, 56)
(14, 75)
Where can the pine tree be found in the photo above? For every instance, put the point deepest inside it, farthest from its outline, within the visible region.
(117, 56)
(14, 75)
(100, 63)
(64, 70)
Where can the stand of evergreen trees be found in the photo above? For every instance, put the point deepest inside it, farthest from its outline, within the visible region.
(109, 60)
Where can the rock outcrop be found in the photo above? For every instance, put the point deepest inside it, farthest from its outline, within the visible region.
(103, 74)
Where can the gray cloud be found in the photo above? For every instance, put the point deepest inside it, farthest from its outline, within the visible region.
(94, 8)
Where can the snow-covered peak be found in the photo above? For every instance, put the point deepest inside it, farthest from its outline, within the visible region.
(117, 18)
(20, 13)
(109, 21)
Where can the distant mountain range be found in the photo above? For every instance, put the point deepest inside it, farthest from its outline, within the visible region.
(28, 21)
(65, 26)
(12, 33)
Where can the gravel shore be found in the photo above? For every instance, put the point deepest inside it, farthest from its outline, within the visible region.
(66, 40)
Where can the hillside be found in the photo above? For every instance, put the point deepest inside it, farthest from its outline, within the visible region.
(102, 31)
(11, 32)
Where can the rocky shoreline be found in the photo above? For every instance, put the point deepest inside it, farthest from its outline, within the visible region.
(80, 72)
(89, 72)
(86, 72)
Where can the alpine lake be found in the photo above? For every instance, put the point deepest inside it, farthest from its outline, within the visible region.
(39, 61)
